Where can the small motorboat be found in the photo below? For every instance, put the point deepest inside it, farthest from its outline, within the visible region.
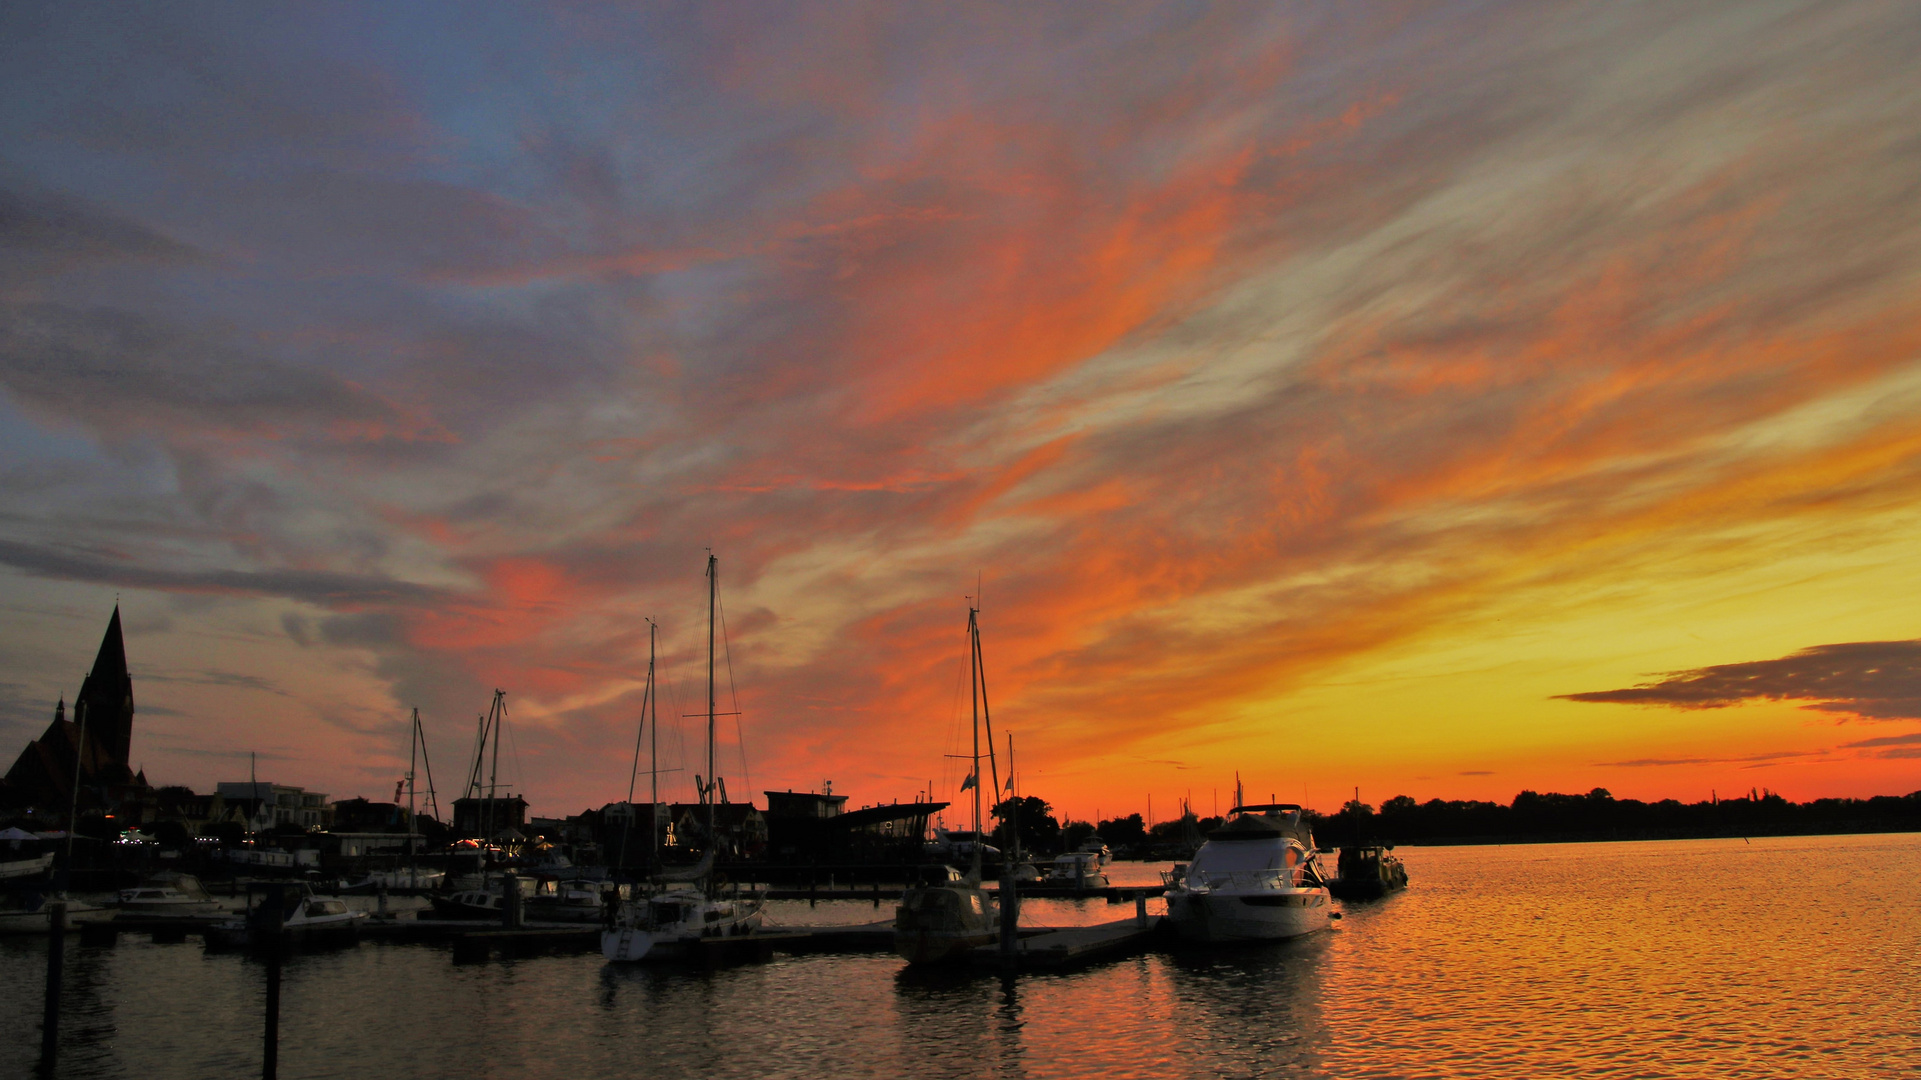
(488, 901)
(168, 896)
(1078, 870)
(303, 917)
(1367, 872)
(1255, 879)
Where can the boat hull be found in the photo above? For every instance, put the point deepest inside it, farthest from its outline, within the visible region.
(19, 868)
(40, 919)
(315, 935)
(938, 946)
(1255, 915)
(635, 944)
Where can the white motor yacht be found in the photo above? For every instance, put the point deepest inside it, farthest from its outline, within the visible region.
(1076, 870)
(1255, 879)
(1098, 848)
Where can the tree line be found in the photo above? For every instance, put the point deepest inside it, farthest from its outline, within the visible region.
(1530, 817)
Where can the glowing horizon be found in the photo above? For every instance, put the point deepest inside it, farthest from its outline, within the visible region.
(1441, 403)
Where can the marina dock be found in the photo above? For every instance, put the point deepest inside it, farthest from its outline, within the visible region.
(1071, 946)
(1038, 947)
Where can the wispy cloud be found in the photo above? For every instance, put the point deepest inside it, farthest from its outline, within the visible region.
(1878, 680)
(1234, 347)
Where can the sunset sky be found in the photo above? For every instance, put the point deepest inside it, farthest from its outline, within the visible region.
(1443, 400)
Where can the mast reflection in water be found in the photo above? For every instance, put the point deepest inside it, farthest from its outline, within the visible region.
(1781, 958)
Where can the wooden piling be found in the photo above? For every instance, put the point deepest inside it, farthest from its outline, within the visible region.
(270, 925)
(510, 909)
(56, 961)
(1010, 918)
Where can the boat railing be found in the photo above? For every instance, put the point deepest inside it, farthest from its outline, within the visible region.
(1249, 879)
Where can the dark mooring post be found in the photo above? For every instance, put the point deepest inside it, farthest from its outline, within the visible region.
(270, 928)
(56, 959)
(511, 915)
(1010, 916)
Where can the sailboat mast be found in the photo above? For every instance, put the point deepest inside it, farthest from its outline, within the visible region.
(413, 763)
(974, 665)
(499, 718)
(1013, 815)
(653, 757)
(713, 599)
(633, 774)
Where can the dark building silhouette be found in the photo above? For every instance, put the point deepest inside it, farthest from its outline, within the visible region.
(43, 775)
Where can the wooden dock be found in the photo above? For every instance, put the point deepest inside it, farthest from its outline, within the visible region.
(1113, 894)
(1039, 948)
(1070, 946)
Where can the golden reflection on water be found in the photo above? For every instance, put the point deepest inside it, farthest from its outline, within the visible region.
(1780, 958)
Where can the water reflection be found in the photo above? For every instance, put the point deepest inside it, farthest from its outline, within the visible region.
(1782, 958)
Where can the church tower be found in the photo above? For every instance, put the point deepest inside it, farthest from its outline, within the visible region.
(98, 736)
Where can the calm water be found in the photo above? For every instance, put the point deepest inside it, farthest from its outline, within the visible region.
(1792, 957)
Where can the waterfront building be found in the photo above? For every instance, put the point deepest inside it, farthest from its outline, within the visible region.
(742, 827)
(483, 816)
(818, 829)
(272, 804)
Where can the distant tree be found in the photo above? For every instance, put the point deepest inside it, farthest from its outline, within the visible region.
(172, 834)
(1075, 833)
(1040, 832)
(1127, 832)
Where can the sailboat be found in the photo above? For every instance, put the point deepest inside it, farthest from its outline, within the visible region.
(412, 876)
(688, 910)
(946, 913)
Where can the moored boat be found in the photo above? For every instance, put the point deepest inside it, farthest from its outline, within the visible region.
(486, 901)
(1255, 879)
(26, 867)
(672, 923)
(566, 901)
(32, 913)
(289, 914)
(1367, 872)
(1080, 870)
(167, 896)
(948, 913)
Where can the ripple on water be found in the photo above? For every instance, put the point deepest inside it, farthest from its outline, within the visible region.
(1780, 958)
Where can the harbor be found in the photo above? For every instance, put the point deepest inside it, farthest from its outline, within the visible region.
(967, 541)
(1343, 1004)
